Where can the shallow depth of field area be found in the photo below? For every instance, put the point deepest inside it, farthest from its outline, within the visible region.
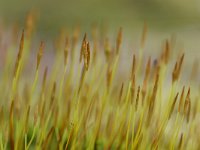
(103, 85)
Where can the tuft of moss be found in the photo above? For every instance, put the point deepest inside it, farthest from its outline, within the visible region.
(79, 100)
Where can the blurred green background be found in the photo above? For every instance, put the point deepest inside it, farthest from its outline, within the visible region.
(165, 19)
(160, 15)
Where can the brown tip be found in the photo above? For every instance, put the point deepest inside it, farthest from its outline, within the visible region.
(83, 47)
(181, 99)
(133, 88)
(177, 69)
(21, 47)
(30, 23)
(109, 75)
(66, 50)
(174, 73)
(173, 105)
(187, 105)
(146, 76)
(180, 63)
(88, 55)
(133, 66)
(180, 141)
(188, 94)
(85, 36)
(153, 96)
(137, 98)
(119, 40)
(40, 54)
(148, 66)
(147, 72)
(107, 49)
(167, 52)
(188, 111)
(53, 94)
(187, 100)
(121, 92)
(48, 137)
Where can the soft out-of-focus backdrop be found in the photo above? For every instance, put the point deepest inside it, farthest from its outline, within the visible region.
(163, 17)
(54, 14)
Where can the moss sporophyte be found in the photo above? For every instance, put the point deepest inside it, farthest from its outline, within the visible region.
(80, 99)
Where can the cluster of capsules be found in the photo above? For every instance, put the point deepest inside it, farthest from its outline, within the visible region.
(82, 103)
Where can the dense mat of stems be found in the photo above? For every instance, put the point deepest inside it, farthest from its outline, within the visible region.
(79, 103)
